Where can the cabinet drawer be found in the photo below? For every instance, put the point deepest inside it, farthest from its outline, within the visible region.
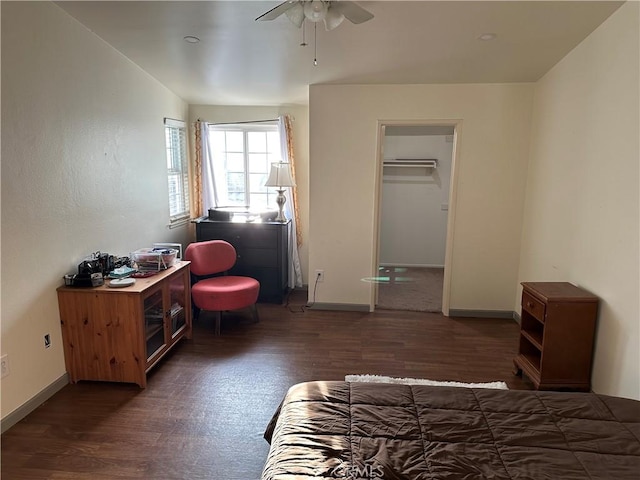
(207, 232)
(257, 257)
(534, 306)
(239, 236)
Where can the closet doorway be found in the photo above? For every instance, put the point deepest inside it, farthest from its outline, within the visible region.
(416, 167)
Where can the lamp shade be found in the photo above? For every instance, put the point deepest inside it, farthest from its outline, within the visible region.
(280, 175)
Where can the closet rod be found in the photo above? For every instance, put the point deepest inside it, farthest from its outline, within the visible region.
(401, 162)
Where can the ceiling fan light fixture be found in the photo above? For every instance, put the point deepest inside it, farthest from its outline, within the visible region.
(332, 19)
(296, 14)
(316, 10)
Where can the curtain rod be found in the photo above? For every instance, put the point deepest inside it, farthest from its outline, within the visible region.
(248, 121)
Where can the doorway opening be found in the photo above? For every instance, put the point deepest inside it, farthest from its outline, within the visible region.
(414, 238)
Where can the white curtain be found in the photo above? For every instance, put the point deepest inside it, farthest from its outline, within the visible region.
(295, 271)
(213, 185)
(214, 189)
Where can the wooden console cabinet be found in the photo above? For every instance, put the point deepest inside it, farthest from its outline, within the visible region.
(557, 331)
(119, 334)
(262, 250)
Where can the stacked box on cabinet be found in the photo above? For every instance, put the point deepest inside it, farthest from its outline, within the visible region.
(154, 259)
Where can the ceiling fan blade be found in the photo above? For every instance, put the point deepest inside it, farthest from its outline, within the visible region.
(351, 10)
(275, 12)
(296, 14)
(333, 19)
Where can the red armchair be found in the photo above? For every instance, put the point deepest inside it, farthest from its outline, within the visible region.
(223, 292)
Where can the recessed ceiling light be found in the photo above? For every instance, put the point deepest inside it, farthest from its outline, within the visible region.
(191, 39)
(487, 36)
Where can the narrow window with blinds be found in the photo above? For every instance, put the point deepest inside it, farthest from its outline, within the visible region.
(177, 170)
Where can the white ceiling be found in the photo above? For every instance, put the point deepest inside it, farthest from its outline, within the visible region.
(243, 62)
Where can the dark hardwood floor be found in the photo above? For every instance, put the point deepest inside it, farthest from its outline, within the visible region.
(204, 411)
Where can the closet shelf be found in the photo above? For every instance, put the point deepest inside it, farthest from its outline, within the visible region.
(411, 162)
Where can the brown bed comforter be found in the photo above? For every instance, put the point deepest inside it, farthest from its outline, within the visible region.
(374, 431)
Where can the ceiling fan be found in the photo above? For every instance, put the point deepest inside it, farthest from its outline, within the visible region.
(331, 12)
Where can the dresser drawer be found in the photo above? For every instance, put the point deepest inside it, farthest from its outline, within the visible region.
(257, 237)
(257, 257)
(534, 306)
(239, 236)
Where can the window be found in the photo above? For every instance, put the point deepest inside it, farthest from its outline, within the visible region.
(177, 170)
(243, 154)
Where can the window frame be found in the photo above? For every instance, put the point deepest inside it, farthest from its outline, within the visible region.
(246, 128)
(172, 126)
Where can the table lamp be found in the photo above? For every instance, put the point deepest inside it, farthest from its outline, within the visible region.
(280, 177)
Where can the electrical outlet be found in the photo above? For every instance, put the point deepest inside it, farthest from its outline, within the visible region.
(319, 275)
(4, 365)
(47, 341)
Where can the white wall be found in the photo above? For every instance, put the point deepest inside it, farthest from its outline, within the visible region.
(300, 117)
(83, 169)
(581, 220)
(492, 160)
(413, 225)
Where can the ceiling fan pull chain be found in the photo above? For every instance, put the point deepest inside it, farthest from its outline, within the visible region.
(304, 29)
(315, 44)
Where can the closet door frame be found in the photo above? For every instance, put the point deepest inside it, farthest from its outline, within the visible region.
(457, 130)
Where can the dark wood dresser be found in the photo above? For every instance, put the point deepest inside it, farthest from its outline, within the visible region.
(557, 331)
(262, 249)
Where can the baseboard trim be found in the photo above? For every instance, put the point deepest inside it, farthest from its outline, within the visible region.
(481, 313)
(411, 265)
(344, 307)
(30, 405)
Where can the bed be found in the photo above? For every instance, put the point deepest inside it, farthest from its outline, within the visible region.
(387, 431)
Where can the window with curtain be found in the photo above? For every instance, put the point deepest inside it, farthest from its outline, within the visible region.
(243, 154)
(177, 170)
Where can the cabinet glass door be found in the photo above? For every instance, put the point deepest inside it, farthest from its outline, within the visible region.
(154, 323)
(177, 303)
